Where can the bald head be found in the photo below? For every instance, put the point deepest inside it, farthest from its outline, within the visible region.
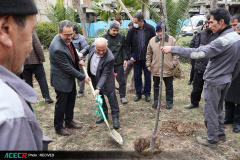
(101, 46)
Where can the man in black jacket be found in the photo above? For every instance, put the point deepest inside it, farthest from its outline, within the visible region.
(232, 100)
(64, 69)
(116, 43)
(136, 47)
(202, 38)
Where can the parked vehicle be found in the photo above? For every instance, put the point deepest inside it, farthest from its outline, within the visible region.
(197, 22)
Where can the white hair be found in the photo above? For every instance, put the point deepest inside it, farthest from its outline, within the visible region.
(101, 40)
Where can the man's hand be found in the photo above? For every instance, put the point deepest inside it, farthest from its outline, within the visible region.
(97, 91)
(81, 63)
(80, 54)
(87, 80)
(149, 69)
(125, 64)
(166, 49)
(133, 60)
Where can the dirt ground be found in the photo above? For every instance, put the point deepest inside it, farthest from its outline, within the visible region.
(176, 131)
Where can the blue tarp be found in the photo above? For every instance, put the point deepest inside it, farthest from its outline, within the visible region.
(94, 28)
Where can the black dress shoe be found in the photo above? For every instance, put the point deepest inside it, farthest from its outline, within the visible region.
(228, 122)
(191, 106)
(155, 105)
(137, 98)
(62, 132)
(117, 88)
(169, 106)
(116, 124)
(189, 82)
(148, 98)
(236, 128)
(73, 125)
(49, 100)
(99, 120)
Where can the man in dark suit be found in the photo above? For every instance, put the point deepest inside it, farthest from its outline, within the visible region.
(64, 69)
(101, 70)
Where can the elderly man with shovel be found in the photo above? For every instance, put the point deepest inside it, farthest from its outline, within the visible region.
(100, 69)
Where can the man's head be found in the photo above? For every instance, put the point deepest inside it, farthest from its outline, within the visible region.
(220, 18)
(238, 28)
(65, 30)
(114, 28)
(130, 25)
(75, 30)
(234, 21)
(138, 20)
(17, 23)
(206, 26)
(100, 46)
(159, 29)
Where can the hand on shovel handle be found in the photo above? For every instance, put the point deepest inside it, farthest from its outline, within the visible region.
(87, 80)
(96, 92)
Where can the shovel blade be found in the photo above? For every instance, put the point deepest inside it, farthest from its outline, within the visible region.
(116, 136)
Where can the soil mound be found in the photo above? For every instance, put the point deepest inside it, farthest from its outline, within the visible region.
(142, 146)
(177, 127)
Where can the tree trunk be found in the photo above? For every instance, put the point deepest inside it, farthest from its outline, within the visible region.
(143, 6)
(82, 17)
(213, 4)
(126, 10)
(153, 138)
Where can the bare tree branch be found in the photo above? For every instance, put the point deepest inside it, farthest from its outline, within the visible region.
(153, 138)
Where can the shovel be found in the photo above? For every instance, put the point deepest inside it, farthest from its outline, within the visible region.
(113, 133)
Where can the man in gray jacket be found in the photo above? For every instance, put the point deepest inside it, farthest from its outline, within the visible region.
(223, 66)
(79, 43)
(19, 129)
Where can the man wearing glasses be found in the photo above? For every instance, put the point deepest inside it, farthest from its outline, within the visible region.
(64, 63)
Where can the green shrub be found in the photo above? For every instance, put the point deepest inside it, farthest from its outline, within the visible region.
(46, 32)
(90, 40)
(184, 42)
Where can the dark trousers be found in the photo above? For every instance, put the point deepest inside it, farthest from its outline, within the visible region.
(120, 79)
(198, 83)
(232, 112)
(169, 89)
(192, 74)
(138, 68)
(38, 71)
(64, 107)
(112, 99)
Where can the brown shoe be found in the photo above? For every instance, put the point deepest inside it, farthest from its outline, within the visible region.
(62, 132)
(204, 142)
(73, 125)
